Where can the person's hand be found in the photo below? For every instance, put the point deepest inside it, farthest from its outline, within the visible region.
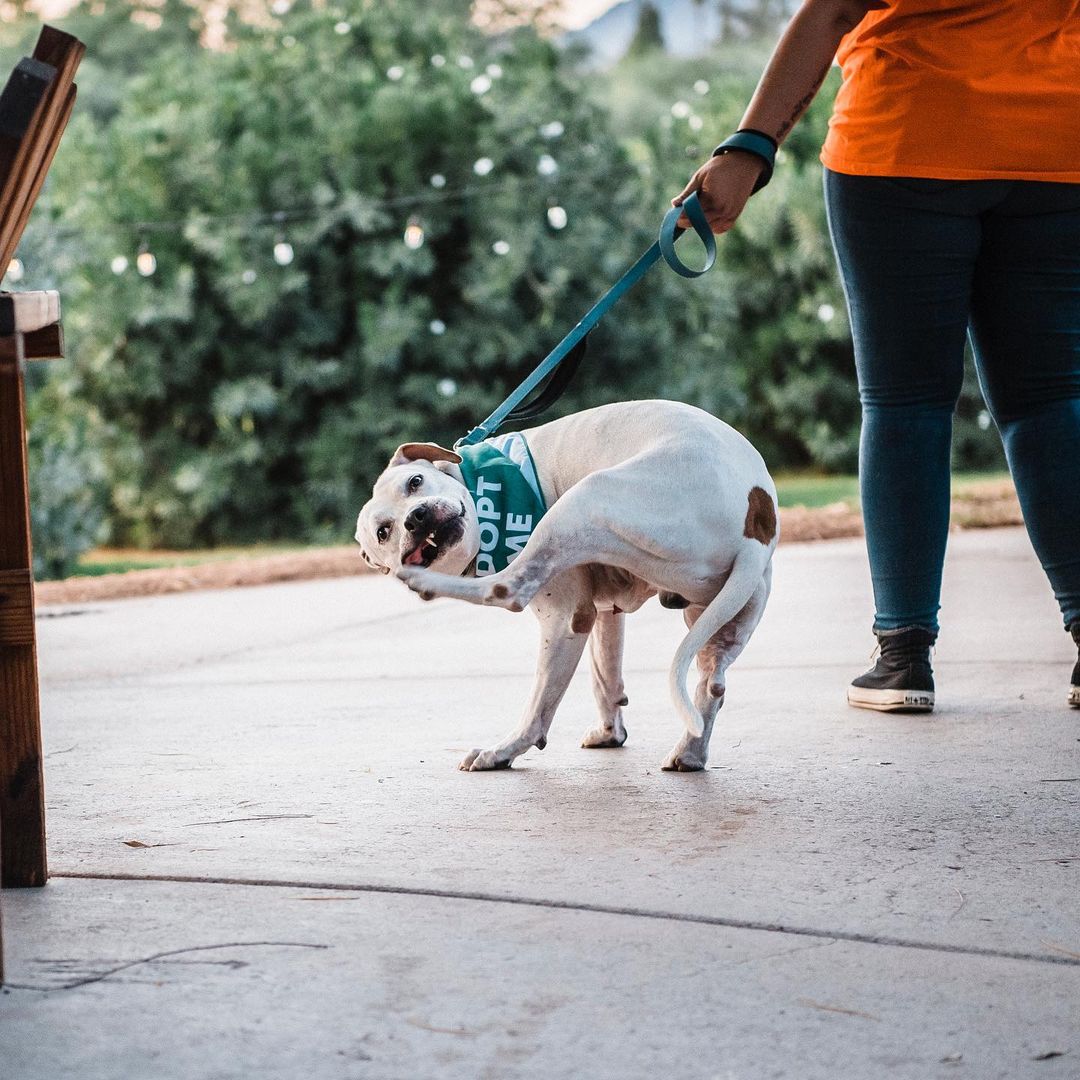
(723, 184)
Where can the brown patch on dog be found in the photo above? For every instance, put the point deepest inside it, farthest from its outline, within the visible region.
(760, 517)
(500, 591)
(583, 620)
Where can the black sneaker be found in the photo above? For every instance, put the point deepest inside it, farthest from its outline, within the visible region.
(901, 680)
(1074, 690)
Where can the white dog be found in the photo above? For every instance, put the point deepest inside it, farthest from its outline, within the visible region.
(642, 497)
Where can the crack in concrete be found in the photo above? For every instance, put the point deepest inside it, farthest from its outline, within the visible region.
(128, 964)
(1065, 959)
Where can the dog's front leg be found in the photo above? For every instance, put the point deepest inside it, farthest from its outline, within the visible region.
(566, 615)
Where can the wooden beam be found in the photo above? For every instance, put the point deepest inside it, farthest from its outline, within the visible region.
(44, 344)
(22, 108)
(62, 52)
(21, 313)
(22, 793)
(38, 182)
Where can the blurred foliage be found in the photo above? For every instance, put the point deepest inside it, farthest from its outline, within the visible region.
(69, 484)
(252, 386)
(648, 37)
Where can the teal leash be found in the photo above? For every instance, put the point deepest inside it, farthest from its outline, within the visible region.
(664, 248)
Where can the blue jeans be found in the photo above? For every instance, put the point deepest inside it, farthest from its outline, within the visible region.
(924, 262)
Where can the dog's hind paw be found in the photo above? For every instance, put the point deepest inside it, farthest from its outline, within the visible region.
(684, 761)
(604, 738)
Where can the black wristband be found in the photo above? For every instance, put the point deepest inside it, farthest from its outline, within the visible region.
(750, 141)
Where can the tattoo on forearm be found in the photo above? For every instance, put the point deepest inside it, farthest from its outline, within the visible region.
(802, 105)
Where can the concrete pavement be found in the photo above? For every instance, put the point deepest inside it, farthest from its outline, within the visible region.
(267, 864)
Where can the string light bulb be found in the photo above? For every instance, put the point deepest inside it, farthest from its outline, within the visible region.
(556, 217)
(119, 264)
(15, 270)
(283, 253)
(414, 234)
(146, 262)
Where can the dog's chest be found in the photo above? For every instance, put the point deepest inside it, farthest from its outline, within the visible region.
(617, 590)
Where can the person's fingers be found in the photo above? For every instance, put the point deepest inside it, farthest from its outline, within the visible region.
(693, 185)
(720, 219)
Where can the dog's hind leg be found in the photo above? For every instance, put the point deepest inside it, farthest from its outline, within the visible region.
(606, 651)
(568, 535)
(566, 615)
(692, 751)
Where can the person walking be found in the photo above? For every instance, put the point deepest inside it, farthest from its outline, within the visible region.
(952, 187)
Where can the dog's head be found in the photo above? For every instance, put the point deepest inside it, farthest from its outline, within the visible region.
(419, 514)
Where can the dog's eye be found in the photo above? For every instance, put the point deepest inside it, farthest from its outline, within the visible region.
(382, 533)
(415, 482)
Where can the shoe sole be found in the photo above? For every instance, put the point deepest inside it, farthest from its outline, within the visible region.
(911, 701)
(1074, 697)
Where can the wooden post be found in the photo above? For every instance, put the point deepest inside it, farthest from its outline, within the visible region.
(35, 106)
(22, 793)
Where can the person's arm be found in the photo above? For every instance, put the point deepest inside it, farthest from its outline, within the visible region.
(794, 74)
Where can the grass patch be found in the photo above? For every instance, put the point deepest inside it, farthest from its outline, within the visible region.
(814, 491)
(121, 560)
(798, 489)
(793, 489)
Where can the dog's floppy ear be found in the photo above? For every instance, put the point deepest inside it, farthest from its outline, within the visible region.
(372, 563)
(422, 451)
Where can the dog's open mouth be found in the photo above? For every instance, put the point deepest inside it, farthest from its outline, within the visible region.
(445, 535)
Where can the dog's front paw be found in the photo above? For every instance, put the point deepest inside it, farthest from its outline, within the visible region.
(481, 760)
(417, 580)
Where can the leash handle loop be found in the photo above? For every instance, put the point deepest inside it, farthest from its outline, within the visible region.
(670, 232)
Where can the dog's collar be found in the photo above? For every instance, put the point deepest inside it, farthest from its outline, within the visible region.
(501, 478)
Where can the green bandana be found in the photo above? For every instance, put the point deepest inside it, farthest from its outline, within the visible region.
(501, 478)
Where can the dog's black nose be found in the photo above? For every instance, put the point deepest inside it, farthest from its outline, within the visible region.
(419, 519)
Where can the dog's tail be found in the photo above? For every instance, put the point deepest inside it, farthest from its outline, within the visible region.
(745, 576)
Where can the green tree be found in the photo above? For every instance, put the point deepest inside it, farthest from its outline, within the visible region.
(649, 36)
(288, 339)
(363, 227)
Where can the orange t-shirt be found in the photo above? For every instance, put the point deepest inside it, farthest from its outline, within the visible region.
(960, 89)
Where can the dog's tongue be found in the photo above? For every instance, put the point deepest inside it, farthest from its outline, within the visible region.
(416, 556)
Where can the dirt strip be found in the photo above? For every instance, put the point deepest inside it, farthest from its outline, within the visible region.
(982, 506)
